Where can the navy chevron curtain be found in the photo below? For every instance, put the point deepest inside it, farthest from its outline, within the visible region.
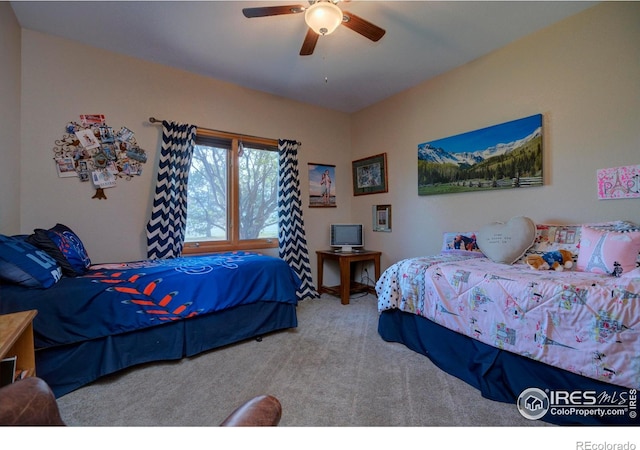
(165, 230)
(292, 241)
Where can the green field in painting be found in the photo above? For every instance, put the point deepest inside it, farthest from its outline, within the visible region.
(453, 189)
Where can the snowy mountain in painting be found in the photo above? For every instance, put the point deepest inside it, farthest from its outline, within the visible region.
(429, 153)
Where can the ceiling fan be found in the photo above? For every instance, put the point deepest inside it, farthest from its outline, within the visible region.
(322, 17)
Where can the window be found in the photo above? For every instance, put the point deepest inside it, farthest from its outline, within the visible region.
(233, 193)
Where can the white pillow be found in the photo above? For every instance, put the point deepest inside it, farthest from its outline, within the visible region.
(506, 242)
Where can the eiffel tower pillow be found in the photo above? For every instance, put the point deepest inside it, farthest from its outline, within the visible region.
(608, 252)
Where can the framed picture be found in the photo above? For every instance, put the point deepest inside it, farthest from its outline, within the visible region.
(370, 175)
(619, 182)
(381, 217)
(322, 189)
(87, 139)
(504, 156)
(66, 167)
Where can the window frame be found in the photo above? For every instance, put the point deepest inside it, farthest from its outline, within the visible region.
(233, 207)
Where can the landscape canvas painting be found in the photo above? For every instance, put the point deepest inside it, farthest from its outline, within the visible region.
(504, 156)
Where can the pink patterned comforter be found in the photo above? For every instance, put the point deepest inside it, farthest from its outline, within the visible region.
(585, 323)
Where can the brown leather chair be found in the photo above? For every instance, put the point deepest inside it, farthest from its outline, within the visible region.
(260, 411)
(31, 402)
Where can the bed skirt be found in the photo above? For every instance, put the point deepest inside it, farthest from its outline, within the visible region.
(67, 368)
(499, 375)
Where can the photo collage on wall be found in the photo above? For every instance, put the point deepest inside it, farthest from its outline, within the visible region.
(93, 151)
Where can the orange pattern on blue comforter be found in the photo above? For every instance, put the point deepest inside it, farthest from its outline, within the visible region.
(117, 298)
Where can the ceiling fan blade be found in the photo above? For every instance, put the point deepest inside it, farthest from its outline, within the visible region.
(265, 11)
(309, 43)
(363, 27)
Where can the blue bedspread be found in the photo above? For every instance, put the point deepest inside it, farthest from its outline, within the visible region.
(117, 298)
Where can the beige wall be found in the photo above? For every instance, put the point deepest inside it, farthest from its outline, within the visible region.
(582, 74)
(62, 79)
(9, 121)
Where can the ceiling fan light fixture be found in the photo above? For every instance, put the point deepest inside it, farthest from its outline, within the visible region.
(323, 17)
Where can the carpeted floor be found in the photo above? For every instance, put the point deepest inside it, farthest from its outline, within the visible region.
(332, 371)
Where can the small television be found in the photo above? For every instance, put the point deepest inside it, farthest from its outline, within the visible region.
(346, 237)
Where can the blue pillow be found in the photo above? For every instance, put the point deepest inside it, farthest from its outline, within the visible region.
(63, 245)
(22, 263)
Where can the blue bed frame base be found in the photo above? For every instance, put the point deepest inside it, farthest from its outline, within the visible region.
(499, 375)
(67, 368)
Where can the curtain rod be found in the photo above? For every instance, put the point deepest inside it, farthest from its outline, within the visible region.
(154, 120)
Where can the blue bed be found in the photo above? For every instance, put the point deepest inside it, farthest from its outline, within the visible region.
(118, 315)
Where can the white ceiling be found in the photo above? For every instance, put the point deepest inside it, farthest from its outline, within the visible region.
(347, 72)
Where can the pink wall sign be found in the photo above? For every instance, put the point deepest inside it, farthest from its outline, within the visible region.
(619, 182)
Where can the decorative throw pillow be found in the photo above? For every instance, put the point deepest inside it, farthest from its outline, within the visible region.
(22, 263)
(63, 245)
(551, 238)
(603, 251)
(460, 243)
(554, 237)
(506, 242)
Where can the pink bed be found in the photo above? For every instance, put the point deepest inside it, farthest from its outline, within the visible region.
(520, 335)
(585, 323)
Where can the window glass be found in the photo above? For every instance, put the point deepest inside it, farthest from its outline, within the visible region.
(233, 193)
(258, 193)
(207, 210)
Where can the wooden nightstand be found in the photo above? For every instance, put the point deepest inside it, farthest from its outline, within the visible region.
(347, 286)
(16, 339)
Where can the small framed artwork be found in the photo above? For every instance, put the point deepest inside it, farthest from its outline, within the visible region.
(87, 139)
(322, 189)
(66, 167)
(381, 217)
(370, 175)
(619, 182)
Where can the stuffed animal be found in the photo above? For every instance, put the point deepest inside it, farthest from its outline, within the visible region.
(557, 260)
